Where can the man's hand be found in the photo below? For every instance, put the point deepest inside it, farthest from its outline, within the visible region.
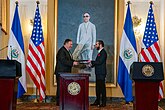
(75, 63)
(89, 61)
(89, 64)
(92, 47)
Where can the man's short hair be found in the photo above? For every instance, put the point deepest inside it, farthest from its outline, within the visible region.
(86, 13)
(67, 40)
(101, 42)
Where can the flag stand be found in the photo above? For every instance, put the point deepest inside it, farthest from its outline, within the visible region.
(36, 99)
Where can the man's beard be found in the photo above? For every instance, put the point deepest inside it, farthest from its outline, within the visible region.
(98, 48)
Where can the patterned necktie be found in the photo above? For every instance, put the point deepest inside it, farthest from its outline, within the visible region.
(70, 54)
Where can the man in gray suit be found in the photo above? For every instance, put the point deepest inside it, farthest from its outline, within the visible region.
(86, 38)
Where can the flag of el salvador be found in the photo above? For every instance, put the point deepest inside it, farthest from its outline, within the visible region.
(128, 55)
(16, 50)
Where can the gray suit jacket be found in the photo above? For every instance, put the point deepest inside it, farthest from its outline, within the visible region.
(86, 34)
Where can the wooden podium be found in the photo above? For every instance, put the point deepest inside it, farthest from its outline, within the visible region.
(74, 91)
(147, 76)
(10, 70)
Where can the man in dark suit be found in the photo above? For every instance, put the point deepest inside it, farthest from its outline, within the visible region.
(64, 63)
(100, 72)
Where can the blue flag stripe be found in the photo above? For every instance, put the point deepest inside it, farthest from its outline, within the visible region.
(128, 27)
(16, 27)
(124, 81)
(21, 90)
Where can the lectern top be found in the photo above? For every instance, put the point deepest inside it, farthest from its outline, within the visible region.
(145, 71)
(74, 74)
(10, 68)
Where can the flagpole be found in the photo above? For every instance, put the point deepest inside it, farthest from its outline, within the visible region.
(151, 2)
(37, 2)
(16, 2)
(36, 100)
(128, 2)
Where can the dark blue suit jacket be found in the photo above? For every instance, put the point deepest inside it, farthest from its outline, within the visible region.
(100, 64)
(64, 61)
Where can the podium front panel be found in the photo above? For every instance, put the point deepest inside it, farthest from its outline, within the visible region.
(8, 94)
(74, 91)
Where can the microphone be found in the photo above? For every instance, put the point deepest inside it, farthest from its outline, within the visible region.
(3, 48)
(11, 52)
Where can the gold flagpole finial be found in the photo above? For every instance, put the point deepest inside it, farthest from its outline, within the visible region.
(37, 2)
(151, 2)
(128, 2)
(16, 2)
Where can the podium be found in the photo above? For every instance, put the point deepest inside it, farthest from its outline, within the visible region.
(147, 76)
(10, 70)
(74, 91)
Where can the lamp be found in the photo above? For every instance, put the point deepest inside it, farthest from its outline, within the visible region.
(31, 22)
(138, 26)
(136, 21)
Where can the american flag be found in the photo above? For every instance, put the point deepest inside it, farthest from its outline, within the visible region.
(150, 45)
(36, 56)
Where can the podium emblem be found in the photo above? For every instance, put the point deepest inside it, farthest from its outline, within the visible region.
(74, 88)
(148, 70)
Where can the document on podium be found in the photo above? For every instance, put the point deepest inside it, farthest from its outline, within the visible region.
(83, 61)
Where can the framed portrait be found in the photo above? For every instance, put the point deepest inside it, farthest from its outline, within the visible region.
(70, 14)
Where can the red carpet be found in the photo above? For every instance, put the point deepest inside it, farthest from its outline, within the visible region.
(52, 106)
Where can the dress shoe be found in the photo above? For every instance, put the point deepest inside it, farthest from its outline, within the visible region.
(95, 104)
(129, 103)
(57, 104)
(102, 105)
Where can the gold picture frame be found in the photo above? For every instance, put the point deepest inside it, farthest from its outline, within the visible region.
(3, 15)
(114, 84)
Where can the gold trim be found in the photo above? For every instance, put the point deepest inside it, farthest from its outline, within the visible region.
(114, 84)
(56, 21)
(3, 12)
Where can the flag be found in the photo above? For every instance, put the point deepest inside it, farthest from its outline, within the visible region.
(128, 55)
(150, 45)
(16, 50)
(36, 56)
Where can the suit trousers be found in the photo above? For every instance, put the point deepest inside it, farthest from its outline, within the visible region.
(100, 90)
(58, 88)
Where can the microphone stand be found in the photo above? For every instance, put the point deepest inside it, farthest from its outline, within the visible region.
(3, 48)
(11, 52)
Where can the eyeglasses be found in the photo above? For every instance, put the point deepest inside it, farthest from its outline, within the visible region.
(86, 16)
